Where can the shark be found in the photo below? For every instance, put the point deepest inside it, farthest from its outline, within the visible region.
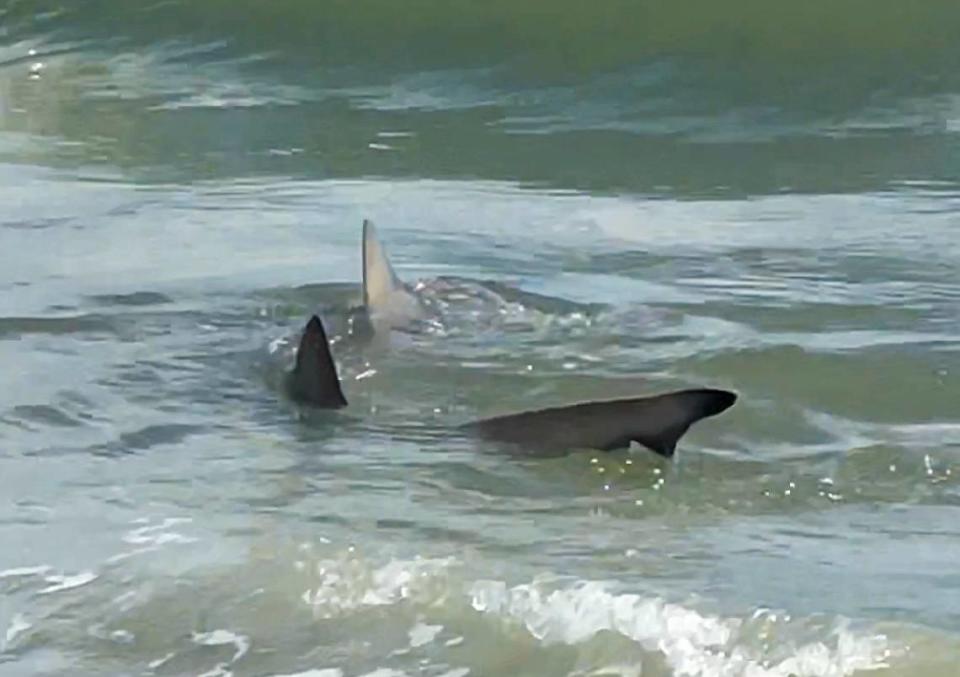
(388, 312)
(656, 422)
(441, 303)
(314, 377)
(388, 302)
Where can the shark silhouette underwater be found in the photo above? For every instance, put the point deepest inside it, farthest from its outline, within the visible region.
(656, 422)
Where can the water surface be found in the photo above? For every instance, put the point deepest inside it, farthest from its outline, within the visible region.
(755, 196)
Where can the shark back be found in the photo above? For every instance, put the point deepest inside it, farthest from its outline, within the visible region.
(314, 378)
(656, 422)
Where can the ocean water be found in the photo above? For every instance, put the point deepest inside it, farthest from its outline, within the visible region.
(612, 199)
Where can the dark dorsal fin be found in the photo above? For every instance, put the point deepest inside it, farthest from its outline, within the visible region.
(314, 378)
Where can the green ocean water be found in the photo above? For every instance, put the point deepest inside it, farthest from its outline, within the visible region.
(609, 199)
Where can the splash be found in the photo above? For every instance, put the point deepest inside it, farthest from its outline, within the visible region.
(694, 645)
(348, 584)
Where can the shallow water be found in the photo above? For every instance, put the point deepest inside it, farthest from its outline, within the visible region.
(721, 202)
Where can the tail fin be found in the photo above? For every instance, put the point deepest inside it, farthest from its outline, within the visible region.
(388, 301)
(314, 378)
(676, 412)
(379, 280)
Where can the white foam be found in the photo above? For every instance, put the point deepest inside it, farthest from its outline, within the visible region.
(18, 625)
(25, 571)
(60, 582)
(224, 637)
(151, 537)
(123, 636)
(324, 672)
(616, 670)
(127, 554)
(276, 344)
(421, 634)
(693, 645)
(155, 534)
(154, 664)
(349, 584)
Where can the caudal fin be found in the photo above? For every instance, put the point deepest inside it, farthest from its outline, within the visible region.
(314, 378)
(674, 413)
(388, 301)
(380, 282)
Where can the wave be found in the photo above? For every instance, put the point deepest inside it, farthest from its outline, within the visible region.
(650, 96)
(559, 36)
(575, 613)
